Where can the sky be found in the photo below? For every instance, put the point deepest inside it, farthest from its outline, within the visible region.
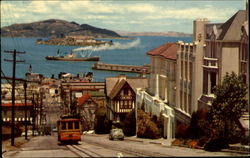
(123, 15)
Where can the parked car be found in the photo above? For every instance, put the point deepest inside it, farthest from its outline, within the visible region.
(54, 129)
(116, 133)
(29, 133)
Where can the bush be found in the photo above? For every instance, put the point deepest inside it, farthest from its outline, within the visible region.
(216, 144)
(146, 127)
(202, 141)
(194, 130)
(101, 124)
(245, 140)
(129, 124)
(182, 131)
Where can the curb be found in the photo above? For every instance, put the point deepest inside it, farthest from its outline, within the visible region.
(235, 151)
(134, 140)
(239, 148)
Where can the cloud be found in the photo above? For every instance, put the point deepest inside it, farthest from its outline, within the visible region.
(112, 14)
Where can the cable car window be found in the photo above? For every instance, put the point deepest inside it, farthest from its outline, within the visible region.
(63, 125)
(76, 125)
(70, 125)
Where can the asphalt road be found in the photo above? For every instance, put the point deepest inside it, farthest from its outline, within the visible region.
(101, 146)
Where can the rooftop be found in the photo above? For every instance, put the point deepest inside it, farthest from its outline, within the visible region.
(167, 50)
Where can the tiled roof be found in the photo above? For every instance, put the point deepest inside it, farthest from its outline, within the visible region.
(167, 50)
(83, 98)
(117, 88)
(114, 84)
(16, 104)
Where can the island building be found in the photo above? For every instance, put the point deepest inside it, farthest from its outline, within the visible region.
(183, 74)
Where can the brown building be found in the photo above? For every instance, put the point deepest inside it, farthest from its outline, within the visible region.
(121, 95)
(19, 112)
(72, 90)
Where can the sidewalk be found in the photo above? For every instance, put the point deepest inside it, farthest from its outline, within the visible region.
(234, 148)
(160, 141)
(6, 144)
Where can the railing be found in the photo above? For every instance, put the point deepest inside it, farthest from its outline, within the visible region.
(210, 62)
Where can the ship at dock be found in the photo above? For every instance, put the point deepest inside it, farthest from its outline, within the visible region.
(72, 56)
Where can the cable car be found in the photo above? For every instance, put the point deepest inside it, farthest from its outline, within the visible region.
(69, 129)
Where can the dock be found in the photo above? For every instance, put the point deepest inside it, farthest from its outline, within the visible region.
(122, 68)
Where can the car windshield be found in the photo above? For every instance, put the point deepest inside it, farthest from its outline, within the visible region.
(117, 131)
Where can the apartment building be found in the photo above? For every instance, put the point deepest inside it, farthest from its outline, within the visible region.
(160, 97)
(226, 51)
(184, 84)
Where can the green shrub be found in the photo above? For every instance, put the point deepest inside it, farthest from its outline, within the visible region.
(101, 124)
(129, 124)
(194, 130)
(216, 144)
(245, 140)
(146, 127)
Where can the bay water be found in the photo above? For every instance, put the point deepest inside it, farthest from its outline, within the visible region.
(123, 51)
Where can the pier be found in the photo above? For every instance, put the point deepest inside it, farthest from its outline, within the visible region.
(122, 68)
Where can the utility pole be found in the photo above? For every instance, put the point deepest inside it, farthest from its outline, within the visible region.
(41, 108)
(13, 92)
(37, 108)
(25, 98)
(34, 113)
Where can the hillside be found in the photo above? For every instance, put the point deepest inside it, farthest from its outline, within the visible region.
(55, 28)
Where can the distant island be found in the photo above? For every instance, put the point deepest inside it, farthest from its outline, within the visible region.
(170, 33)
(55, 28)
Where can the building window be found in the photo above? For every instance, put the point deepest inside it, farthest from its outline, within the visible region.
(181, 69)
(125, 91)
(121, 104)
(191, 49)
(181, 100)
(185, 101)
(186, 71)
(190, 70)
(125, 104)
(213, 81)
(205, 82)
(189, 104)
(182, 48)
(213, 49)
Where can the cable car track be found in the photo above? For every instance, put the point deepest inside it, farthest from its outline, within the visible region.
(138, 153)
(82, 152)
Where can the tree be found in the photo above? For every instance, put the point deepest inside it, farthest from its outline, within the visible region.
(227, 107)
(129, 124)
(146, 127)
(101, 124)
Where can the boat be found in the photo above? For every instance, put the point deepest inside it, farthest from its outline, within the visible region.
(72, 57)
(63, 58)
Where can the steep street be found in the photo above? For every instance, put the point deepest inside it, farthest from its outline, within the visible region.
(93, 145)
